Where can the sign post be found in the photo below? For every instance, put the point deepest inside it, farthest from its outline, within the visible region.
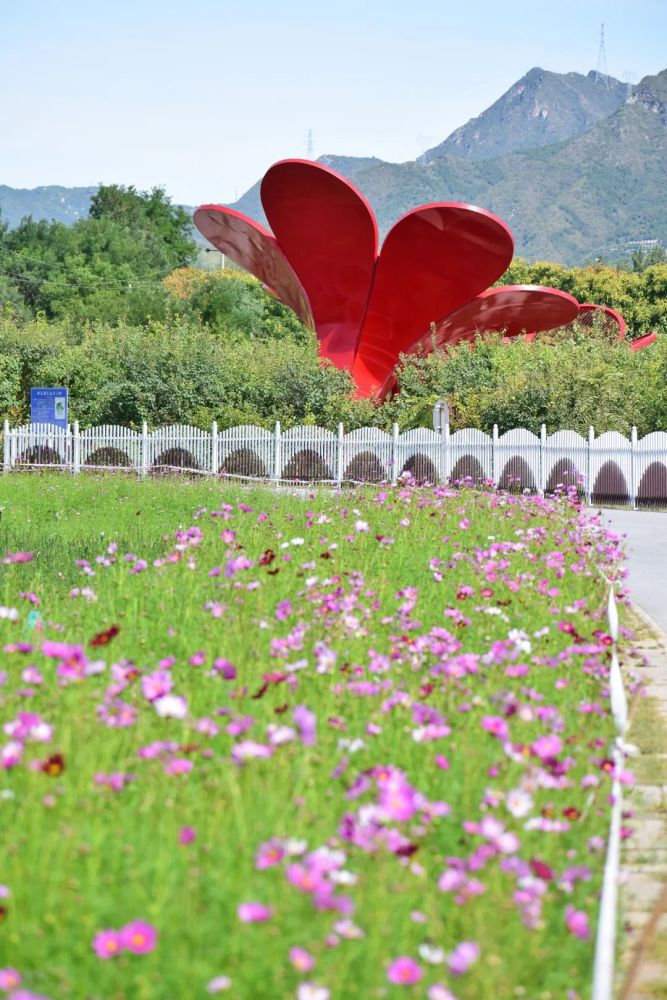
(49, 406)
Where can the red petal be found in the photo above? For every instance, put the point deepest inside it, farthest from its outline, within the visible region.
(327, 232)
(433, 260)
(255, 249)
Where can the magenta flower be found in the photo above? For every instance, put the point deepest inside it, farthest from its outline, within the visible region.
(269, 854)
(9, 978)
(301, 959)
(187, 835)
(404, 971)
(106, 944)
(254, 913)
(545, 747)
(463, 956)
(577, 923)
(138, 937)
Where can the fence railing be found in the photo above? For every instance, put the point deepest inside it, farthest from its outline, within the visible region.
(610, 468)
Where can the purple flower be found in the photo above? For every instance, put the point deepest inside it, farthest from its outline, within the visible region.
(106, 944)
(306, 723)
(138, 937)
(463, 956)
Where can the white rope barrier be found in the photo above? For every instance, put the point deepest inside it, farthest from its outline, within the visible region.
(605, 943)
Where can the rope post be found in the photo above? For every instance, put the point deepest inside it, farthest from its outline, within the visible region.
(447, 446)
(494, 455)
(6, 458)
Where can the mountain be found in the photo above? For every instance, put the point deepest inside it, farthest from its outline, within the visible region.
(575, 200)
(51, 202)
(538, 110)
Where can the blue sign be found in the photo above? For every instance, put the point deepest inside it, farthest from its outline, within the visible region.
(49, 406)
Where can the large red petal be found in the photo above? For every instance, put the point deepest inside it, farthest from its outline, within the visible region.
(641, 342)
(512, 309)
(611, 320)
(252, 247)
(327, 231)
(433, 260)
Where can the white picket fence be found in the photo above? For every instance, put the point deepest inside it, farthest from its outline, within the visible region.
(611, 467)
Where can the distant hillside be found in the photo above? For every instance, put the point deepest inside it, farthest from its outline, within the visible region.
(570, 202)
(538, 110)
(52, 202)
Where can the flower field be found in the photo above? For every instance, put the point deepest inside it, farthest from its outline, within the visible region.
(270, 746)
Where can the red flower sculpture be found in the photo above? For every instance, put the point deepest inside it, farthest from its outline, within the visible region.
(435, 267)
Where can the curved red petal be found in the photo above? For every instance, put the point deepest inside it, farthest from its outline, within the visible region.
(433, 260)
(512, 309)
(611, 319)
(644, 341)
(252, 247)
(328, 233)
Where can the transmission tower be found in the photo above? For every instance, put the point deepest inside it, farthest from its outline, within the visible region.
(310, 147)
(601, 75)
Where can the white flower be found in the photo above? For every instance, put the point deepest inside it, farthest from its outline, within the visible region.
(171, 706)
(429, 953)
(311, 991)
(11, 614)
(518, 802)
(344, 877)
(295, 847)
(361, 526)
(219, 984)
(298, 541)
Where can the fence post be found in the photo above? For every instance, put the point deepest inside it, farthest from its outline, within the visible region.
(543, 449)
(143, 468)
(494, 455)
(339, 457)
(447, 445)
(394, 454)
(633, 467)
(277, 457)
(6, 460)
(214, 448)
(76, 450)
(589, 466)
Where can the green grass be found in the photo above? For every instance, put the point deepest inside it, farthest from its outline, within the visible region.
(79, 858)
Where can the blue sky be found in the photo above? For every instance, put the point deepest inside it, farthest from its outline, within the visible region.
(201, 96)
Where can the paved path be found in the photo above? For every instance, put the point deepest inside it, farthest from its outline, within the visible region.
(647, 549)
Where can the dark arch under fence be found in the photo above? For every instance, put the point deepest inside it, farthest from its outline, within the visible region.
(365, 467)
(244, 462)
(107, 458)
(307, 465)
(39, 455)
(468, 468)
(653, 486)
(563, 474)
(517, 476)
(610, 485)
(421, 468)
(175, 460)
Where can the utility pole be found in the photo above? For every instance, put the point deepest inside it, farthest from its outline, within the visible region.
(601, 75)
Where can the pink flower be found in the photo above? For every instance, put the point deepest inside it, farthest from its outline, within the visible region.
(138, 937)
(301, 959)
(156, 685)
(106, 944)
(254, 913)
(577, 923)
(306, 723)
(224, 667)
(463, 956)
(269, 854)
(495, 725)
(546, 746)
(404, 971)
(9, 978)
(283, 610)
(178, 765)
(187, 835)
